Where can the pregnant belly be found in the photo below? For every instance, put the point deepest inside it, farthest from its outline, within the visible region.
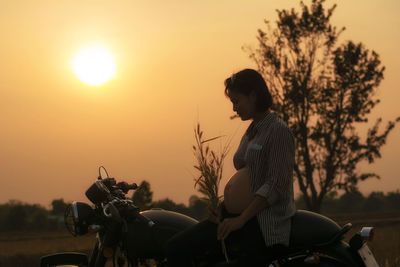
(237, 193)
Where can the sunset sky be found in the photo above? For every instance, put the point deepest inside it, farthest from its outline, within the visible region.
(171, 60)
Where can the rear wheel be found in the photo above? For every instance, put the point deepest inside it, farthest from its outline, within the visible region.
(293, 263)
(323, 262)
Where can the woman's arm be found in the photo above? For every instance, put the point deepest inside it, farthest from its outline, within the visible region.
(258, 204)
(231, 224)
(278, 159)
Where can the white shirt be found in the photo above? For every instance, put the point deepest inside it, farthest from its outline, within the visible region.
(267, 150)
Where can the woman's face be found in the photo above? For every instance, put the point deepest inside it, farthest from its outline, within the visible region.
(243, 105)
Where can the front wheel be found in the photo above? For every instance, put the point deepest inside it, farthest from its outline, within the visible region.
(66, 258)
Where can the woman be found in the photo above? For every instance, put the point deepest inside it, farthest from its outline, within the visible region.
(258, 199)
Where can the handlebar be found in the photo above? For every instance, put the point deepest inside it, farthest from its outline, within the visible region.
(111, 184)
(125, 187)
(110, 211)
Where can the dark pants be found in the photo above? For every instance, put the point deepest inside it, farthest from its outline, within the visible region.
(201, 241)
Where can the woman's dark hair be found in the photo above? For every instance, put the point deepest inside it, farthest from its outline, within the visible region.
(247, 81)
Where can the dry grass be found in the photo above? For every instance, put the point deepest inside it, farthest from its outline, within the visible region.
(210, 166)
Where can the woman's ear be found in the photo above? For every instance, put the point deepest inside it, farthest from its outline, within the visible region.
(253, 98)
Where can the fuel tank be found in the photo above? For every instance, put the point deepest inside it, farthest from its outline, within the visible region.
(148, 242)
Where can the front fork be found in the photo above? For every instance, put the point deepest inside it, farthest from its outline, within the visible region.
(96, 258)
(107, 241)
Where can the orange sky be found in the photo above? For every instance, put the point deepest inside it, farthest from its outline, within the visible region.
(172, 58)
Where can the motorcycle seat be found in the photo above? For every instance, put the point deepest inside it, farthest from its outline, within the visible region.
(313, 229)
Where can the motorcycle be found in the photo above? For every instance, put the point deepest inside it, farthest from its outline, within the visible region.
(126, 236)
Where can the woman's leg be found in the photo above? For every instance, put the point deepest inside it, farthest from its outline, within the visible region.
(249, 243)
(191, 243)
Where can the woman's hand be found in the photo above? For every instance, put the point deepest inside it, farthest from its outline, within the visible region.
(229, 225)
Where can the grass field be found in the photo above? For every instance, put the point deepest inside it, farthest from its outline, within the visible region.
(25, 249)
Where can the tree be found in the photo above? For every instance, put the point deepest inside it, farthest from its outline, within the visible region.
(197, 207)
(322, 90)
(17, 216)
(39, 219)
(375, 202)
(393, 200)
(351, 201)
(143, 196)
(58, 206)
(331, 203)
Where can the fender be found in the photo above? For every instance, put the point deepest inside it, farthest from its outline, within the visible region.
(338, 254)
(344, 253)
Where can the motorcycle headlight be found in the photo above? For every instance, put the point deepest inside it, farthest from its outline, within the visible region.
(78, 216)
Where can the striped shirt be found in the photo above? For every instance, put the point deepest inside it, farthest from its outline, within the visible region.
(267, 150)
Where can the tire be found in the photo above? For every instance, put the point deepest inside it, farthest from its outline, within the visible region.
(67, 258)
(325, 260)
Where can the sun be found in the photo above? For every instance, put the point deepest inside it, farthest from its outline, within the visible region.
(94, 65)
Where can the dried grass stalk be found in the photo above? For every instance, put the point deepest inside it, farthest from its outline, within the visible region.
(210, 165)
